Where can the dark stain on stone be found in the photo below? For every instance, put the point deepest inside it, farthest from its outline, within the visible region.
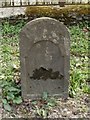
(58, 87)
(45, 74)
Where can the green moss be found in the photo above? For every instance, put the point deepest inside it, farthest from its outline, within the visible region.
(40, 11)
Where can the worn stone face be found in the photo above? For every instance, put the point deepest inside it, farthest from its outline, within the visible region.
(44, 56)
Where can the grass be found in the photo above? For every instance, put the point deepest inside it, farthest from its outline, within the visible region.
(79, 58)
(10, 64)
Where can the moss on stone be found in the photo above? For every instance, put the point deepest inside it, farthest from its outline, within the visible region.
(55, 12)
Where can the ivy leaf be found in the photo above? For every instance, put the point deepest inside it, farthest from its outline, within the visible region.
(4, 101)
(13, 89)
(10, 96)
(17, 100)
(7, 107)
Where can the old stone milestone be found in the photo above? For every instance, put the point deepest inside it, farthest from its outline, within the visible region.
(45, 57)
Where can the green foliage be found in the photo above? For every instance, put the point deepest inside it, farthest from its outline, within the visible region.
(42, 112)
(11, 94)
(86, 89)
(43, 106)
(6, 105)
(79, 59)
(10, 65)
(45, 96)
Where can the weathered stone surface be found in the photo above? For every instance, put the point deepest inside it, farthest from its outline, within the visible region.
(44, 55)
